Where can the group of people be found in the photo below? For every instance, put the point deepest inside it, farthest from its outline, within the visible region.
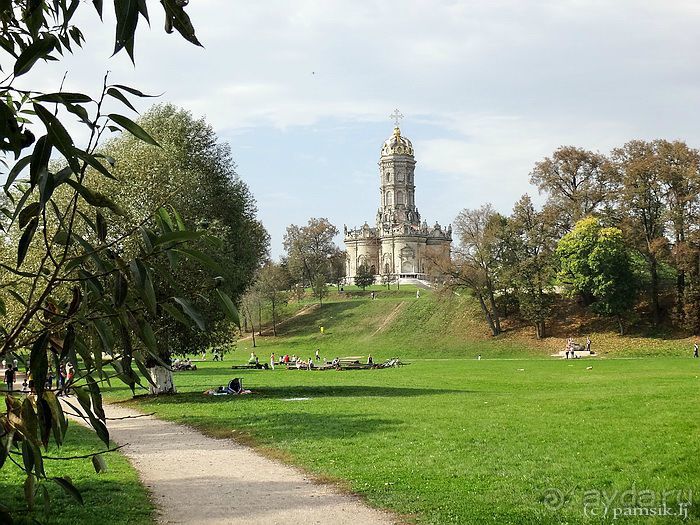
(63, 380)
(571, 347)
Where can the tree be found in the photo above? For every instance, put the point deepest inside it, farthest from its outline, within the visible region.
(319, 287)
(476, 259)
(195, 174)
(80, 297)
(576, 181)
(596, 261)
(641, 202)
(309, 249)
(271, 283)
(364, 276)
(679, 168)
(529, 239)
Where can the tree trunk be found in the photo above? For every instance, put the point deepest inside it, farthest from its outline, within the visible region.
(654, 291)
(494, 311)
(489, 319)
(260, 319)
(163, 379)
(541, 329)
(251, 324)
(680, 297)
(620, 326)
(274, 321)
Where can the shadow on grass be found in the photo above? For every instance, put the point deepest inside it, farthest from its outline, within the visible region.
(290, 392)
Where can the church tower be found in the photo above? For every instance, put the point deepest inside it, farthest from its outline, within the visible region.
(397, 188)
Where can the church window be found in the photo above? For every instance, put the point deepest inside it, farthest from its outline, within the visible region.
(399, 197)
(389, 200)
(399, 176)
(388, 176)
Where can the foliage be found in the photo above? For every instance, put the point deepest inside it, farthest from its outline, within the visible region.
(595, 261)
(309, 250)
(528, 262)
(195, 174)
(70, 294)
(364, 276)
(273, 279)
(476, 259)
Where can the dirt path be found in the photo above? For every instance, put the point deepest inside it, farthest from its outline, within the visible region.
(389, 318)
(195, 479)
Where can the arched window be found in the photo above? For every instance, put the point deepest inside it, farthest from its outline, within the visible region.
(388, 176)
(386, 267)
(389, 199)
(399, 197)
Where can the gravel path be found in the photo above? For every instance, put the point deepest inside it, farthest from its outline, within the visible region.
(195, 479)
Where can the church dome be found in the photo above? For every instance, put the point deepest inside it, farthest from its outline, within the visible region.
(397, 145)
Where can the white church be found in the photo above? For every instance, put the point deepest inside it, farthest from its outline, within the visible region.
(400, 245)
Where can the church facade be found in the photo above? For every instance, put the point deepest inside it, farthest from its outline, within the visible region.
(400, 245)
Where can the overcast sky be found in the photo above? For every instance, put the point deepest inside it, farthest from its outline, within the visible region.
(302, 91)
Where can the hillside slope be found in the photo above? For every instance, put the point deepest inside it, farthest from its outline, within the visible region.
(397, 323)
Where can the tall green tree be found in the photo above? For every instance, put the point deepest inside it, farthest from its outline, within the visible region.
(641, 202)
(194, 173)
(310, 250)
(528, 262)
(272, 282)
(596, 261)
(364, 276)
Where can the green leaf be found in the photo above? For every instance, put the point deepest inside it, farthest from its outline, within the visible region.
(28, 213)
(91, 161)
(229, 308)
(113, 92)
(177, 315)
(177, 236)
(39, 362)
(29, 490)
(16, 170)
(177, 17)
(26, 240)
(134, 91)
(58, 135)
(40, 159)
(98, 7)
(127, 13)
(201, 257)
(99, 463)
(101, 226)
(133, 128)
(144, 284)
(95, 198)
(66, 485)
(40, 48)
(191, 311)
(64, 98)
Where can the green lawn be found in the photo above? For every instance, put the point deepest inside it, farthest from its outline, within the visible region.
(449, 439)
(113, 497)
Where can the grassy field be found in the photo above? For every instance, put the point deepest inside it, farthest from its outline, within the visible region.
(114, 497)
(516, 437)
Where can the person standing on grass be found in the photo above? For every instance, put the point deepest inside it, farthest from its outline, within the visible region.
(10, 378)
(272, 360)
(695, 350)
(318, 357)
(588, 344)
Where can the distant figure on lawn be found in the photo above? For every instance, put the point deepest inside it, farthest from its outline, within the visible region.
(370, 361)
(418, 294)
(478, 358)
(695, 350)
(272, 360)
(10, 378)
(318, 357)
(253, 359)
(588, 344)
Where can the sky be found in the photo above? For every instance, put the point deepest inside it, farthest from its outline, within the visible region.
(302, 91)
